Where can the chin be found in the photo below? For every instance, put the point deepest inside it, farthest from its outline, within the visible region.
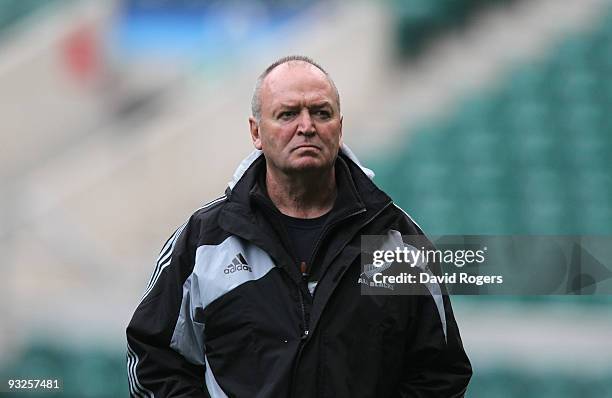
(310, 165)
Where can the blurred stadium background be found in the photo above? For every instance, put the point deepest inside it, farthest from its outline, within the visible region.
(119, 118)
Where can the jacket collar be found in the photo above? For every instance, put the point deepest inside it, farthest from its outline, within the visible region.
(256, 154)
(347, 201)
(358, 199)
(356, 186)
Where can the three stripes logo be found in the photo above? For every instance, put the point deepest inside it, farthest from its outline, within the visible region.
(239, 263)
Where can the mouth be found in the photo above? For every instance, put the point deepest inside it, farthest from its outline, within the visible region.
(306, 146)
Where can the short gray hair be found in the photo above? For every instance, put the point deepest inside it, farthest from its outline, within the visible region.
(256, 100)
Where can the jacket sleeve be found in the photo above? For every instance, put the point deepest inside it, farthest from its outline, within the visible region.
(436, 364)
(155, 366)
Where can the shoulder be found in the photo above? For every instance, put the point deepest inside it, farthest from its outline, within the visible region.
(205, 217)
(209, 210)
(202, 223)
(405, 222)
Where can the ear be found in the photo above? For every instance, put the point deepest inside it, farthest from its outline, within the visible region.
(255, 137)
(341, 119)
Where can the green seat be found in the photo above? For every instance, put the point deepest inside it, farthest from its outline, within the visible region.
(528, 155)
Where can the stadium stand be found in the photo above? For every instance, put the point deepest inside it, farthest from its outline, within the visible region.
(13, 11)
(418, 22)
(530, 156)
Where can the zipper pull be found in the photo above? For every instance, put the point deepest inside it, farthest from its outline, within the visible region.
(303, 269)
(305, 335)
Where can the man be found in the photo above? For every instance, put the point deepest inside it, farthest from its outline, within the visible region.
(258, 294)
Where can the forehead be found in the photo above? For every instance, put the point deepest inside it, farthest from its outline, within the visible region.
(295, 82)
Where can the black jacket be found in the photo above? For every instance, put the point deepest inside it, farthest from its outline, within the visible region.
(227, 312)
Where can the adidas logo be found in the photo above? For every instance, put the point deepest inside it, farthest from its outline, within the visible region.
(239, 263)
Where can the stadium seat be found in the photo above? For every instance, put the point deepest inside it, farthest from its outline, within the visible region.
(531, 155)
(419, 21)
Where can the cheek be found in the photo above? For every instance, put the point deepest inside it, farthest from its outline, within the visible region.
(284, 136)
(276, 139)
(331, 136)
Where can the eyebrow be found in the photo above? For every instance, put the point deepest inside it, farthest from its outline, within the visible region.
(321, 105)
(290, 105)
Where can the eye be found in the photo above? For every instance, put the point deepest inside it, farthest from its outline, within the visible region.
(323, 114)
(286, 115)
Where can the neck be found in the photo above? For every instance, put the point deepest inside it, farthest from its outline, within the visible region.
(302, 195)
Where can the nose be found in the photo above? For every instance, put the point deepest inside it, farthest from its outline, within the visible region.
(305, 124)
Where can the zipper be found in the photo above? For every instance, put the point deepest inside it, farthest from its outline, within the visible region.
(305, 336)
(305, 268)
(325, 230)
(305, 333)
(305, 330)
(303, 272)
(369, 220)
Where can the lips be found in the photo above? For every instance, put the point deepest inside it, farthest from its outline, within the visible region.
(306, 147)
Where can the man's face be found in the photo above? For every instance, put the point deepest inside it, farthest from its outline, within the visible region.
(300, 127)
